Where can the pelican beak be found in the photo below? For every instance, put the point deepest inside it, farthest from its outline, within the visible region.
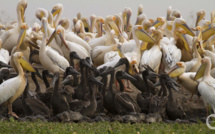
(127, 76)
(177, 70)
(157, 23)
(114, 26)
(133, 67)
(200, 71)
(21, 36)
(119, 63)
(67, 80)
(199, 33)
(54, 12)
(62, 38)
(22, 14)
(51, 37)
(208, 32)
(201, 48)
(187, 29)
(143, 35)
(199, 17)
(25, 64)
(87, 64)
(138, 22)
(86, 25)
(45, 28)
(144, 46)
(128, 19)
(186, 45)
(96, 81)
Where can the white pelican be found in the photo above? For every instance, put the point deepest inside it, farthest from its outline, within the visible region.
(10, 37)
(98, 25)
(206, 87)
(57, 10)
(152, 57)
(200, 16)
(79, 28)
(49, 58)
(169, 10)
(101, 54)
(67, 46)
(92, 22)
(184, 78)
(12, 88)
(105, 40)
(194, 64)
(135, 55)
(70, 36)
(140, 10)
(86, 24)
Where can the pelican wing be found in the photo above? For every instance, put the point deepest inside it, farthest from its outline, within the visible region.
(5, 35)
(57, 59)
(9, 88)
(5, 55)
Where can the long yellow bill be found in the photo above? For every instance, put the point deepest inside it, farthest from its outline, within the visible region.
(64, 42)
(208, 32)
(187, 29)
(144, 36)
(26, 65)
(51, 37)
(21, 36)
(177, 70)
(114, 27)
(200, 72)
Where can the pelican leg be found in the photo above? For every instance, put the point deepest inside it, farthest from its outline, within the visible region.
(10, 112)
(126, 88)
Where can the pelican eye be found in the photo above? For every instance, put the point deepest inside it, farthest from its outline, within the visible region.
(58, 31)
(23, 27)
(140, 27)
(114, 17)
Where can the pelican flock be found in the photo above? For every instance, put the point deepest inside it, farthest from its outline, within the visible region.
(106, 64)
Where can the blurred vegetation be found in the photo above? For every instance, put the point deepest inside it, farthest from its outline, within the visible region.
(14, 126)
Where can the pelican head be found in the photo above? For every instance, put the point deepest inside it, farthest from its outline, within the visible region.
(86, 24)
(180, 32)
(146, 25)
(206, 61)
(65, 22)
(142, 34)
(56, 9)
(200, 16)
(140, 10)
(78, 15)
(40, 13)
(178, 69)
(79, 24)
(109, 20)
(176, 13)
(133, 67)
(126, 13)
(23, 61)
(179, 22)
(159, 21)
(169, 10)
(21, 6)
(61, 32)
(140, 19)
(22, 34)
